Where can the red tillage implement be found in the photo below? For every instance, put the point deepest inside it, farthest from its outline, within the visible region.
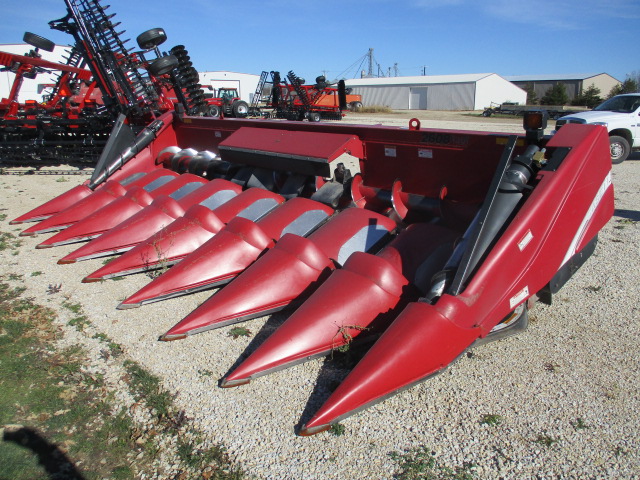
(444, 240)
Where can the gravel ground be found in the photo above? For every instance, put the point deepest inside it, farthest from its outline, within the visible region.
(566, 390)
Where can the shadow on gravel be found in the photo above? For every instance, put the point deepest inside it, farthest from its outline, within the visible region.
(629, 214)
(53, 460)
(334, 370)
(274, 321)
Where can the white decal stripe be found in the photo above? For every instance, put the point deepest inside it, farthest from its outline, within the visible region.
(587, 218)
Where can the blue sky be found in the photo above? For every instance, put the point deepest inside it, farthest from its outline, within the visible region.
(507, 37)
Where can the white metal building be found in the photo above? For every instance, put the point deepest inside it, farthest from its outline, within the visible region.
(437, 92)
(574, 83)
(246, 83)
(31, 88)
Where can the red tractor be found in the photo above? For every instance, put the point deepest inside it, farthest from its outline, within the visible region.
(226, 102)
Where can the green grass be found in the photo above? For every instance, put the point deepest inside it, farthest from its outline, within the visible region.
(421, 464)
(146, 386)
(579, 424)
(236, 332)
(546, 440)
(374, 109)
(8, 241)
(52, 403)
(59, 417)
(491, 419)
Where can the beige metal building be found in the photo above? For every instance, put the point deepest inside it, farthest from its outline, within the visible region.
(437, 92)
(574, 83)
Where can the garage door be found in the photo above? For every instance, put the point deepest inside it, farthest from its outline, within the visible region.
(418, 98)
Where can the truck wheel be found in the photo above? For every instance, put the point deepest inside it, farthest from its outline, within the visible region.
(151, 38)
(314, 116)
(240, 109)
(619, 149)
(38, 42)
(163, 65)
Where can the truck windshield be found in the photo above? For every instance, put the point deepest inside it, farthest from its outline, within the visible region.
(622, 104)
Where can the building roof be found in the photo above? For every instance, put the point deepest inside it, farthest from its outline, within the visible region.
(419, 79)
(550, 78)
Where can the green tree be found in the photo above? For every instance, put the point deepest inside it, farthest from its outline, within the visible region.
(556, 95)
(630, 85)
(588, 98)
(532, 97)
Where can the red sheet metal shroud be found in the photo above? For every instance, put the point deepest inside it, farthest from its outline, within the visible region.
(360, 299)
(187, 233)
(232, 250)
(151, 219)
(121, 209)
(54, 205)
(91, 201)
(288, 272)
(571, 202)
(392, 361)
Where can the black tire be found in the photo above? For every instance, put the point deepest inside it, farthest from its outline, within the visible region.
(313, 116)
(163, 65)
(356, 106)
(38, 42)
(213, 111)
(151, 38)
(487, 112)
(240, 109)
(619, 148)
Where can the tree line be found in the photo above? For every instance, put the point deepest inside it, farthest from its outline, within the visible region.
(589, 97)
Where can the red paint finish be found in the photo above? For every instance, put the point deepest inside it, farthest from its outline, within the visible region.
(88, 203)
(227, 254)
(159, 214)
(107, 217)
(556, 218)
(288, 272)
(182, 236)
(372, 289)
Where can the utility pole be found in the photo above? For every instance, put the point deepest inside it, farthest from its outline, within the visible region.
(424, 69)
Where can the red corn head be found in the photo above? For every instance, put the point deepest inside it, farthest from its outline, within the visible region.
(120, 209)
(291, 270)
(361, 298)
(151, 219)
(187, 233)
(91, 201)
(232, 250)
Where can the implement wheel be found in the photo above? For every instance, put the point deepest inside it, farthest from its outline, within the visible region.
(163, 65)
(38, 42)
(151, 38)
(314, 116)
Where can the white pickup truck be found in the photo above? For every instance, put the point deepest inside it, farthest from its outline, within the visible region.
(621, 116)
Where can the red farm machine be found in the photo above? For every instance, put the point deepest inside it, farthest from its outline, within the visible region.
(226, 102)
(444, 239)
(101, 81)
(290, 98)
